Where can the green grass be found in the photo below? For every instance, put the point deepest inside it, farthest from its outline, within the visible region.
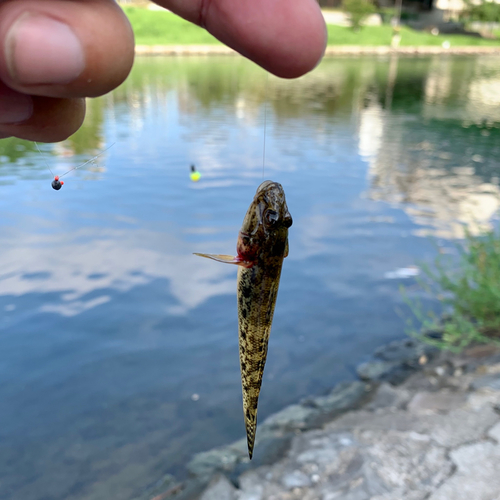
(381, 35)
(157, 27)
(469, 292)
(153, 27)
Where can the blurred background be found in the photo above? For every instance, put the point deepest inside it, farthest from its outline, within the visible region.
(119, 355)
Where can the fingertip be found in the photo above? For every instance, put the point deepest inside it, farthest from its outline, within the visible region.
(53, 120)
(286, 38)
(64, 49)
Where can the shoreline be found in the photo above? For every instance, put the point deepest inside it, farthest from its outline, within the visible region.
(409, 397)
(331, 50)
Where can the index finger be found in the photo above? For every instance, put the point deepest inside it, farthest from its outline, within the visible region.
(286, 37)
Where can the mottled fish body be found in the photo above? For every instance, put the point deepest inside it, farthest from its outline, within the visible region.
(262, 246)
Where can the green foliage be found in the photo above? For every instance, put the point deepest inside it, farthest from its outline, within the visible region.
(358, 10)
(387, 14)
(485, 11)
(469, 294)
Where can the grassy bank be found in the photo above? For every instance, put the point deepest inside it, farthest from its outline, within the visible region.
(381, 35)
(157, 27)
(163, 28)
(469, 291)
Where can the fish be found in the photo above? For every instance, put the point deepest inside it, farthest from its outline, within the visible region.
(261, 248)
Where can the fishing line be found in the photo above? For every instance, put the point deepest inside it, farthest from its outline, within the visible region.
(88, 161)
(43, 156)
(265, 125)
(56, 183)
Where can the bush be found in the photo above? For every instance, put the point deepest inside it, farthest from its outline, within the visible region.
(387, 14)
(486, 11)
(358, 10)
(469, 294)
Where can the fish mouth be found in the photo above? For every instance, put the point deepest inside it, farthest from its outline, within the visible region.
(243, 234)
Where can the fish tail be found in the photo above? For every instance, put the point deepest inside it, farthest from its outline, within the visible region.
(250, 425)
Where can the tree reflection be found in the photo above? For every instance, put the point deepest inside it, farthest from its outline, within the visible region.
(416, 119)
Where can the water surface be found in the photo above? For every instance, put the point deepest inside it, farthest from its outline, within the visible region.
(119, 355)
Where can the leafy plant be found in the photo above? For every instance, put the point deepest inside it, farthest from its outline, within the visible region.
(358, 10)
(486, 11)
(469, 292)
(387, 14)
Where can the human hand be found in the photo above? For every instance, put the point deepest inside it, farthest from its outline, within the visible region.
(54, 53)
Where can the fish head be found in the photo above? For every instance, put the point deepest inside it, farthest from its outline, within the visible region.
(266, 223)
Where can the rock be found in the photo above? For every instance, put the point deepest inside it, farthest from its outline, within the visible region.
(269, 448)
(461, 426)
(493, 368)
(251, 486)
(494, 433)
(407, 351)
(356, 494)
(405, 461)
(398, 495)
(387, 396)
(482, 398)
(292, 418)
(219, 489)
(240, 447)
(393, 372)
(316, 447)
(491, 381)
(313, 412)
(397, 361)
(476, 476)
(481, 351)
(205, 464)
(424, 402)
(295, 479)
(344, 397)
(442, 371)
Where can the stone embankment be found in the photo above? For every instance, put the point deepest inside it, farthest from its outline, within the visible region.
(418, 425)
(332, 50)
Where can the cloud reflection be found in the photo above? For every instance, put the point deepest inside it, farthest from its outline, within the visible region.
(89, 261)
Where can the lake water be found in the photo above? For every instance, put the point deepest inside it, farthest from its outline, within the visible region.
(118, 347)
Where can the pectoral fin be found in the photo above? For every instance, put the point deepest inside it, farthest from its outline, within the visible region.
(227, 259)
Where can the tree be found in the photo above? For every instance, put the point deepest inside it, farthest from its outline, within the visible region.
(485, 11)
(358, 10)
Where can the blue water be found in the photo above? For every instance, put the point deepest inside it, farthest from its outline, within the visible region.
(118, 347)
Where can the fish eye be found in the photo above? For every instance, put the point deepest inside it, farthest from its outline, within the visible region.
(271, 217)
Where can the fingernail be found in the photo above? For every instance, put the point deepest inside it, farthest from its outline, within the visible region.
(40, 50)
(14, 107)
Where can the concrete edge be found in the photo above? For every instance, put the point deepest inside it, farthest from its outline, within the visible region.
(203, 50)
